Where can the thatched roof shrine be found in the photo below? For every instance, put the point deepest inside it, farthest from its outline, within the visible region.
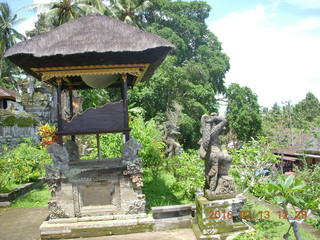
(94, 45)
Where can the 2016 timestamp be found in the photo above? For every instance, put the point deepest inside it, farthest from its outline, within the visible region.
(247, 214)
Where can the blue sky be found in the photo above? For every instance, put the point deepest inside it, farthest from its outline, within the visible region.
(273, 45)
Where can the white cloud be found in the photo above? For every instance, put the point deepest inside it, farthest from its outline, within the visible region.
(28, 24)
(277, 63)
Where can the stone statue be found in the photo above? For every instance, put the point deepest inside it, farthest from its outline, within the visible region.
(218, 185)
(171, 133)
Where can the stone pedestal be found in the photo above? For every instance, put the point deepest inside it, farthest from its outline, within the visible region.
(215, 219)
(94, 197)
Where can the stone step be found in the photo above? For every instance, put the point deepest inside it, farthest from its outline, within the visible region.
(95, 228)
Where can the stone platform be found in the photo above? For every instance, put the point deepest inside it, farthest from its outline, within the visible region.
(96, 226)
(215, 219)
(108, 225)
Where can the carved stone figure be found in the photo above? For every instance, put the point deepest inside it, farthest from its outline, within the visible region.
(171, 133)
(133, 162)
(55, 211)
(218, 185)
(138, 205)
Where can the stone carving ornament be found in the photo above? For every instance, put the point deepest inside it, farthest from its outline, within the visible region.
(218, 185)
(133, 162)
(56, 172)
(171, 134)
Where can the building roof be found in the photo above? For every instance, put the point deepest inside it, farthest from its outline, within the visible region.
(90, 41)
(6, 93)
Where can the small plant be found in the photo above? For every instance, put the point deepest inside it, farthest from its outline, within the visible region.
(286, 190)
(253, 163)
(47, 134)
(188, 170)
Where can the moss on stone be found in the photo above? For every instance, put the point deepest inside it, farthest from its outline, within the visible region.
(13, 118)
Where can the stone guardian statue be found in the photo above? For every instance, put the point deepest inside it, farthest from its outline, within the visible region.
(218, 185)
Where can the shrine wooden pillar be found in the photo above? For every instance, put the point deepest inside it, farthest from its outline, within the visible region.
(59, 110)
(124, 94)
(73, 138)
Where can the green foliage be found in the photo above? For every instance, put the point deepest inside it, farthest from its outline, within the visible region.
(315, 222)
(35, 199)
(272, 228)
(22, 164)
(158, 189)
(94, 97)
(252, 160)
(287, 190)
(243, 113)
(8, 37)
(149, 136)
(188, 170)
(192, 76)
(306, 111)
(311, 177)
(129, 11)
(146, 133)
(304, 116)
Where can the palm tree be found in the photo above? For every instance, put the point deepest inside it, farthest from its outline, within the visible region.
(130, 11)
(62, 11)
(8, 35)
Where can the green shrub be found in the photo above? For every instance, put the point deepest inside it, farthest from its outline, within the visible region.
(22, 164)
(251, 161)
(150, 137)
(146, 133)
(188, 170)
(315, 222)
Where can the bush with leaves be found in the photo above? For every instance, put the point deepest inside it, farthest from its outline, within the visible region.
(188, 170)
(311, 177)
(22, 164)
(146, 133)
(252, 162)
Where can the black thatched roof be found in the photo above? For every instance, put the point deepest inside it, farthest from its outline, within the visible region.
(90, 40)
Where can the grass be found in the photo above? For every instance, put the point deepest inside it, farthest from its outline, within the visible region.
(159, 191)
(37, 198)
(9, 187)
(273, 228)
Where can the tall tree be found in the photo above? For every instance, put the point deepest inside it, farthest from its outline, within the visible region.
(306, 111)
(243, 112)
(8, 37)
(195, 72)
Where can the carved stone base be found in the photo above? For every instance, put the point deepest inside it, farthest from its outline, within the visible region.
(225, 189)
(215, 219)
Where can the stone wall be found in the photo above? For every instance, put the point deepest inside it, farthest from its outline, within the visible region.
(39, 99)
(11, 136)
